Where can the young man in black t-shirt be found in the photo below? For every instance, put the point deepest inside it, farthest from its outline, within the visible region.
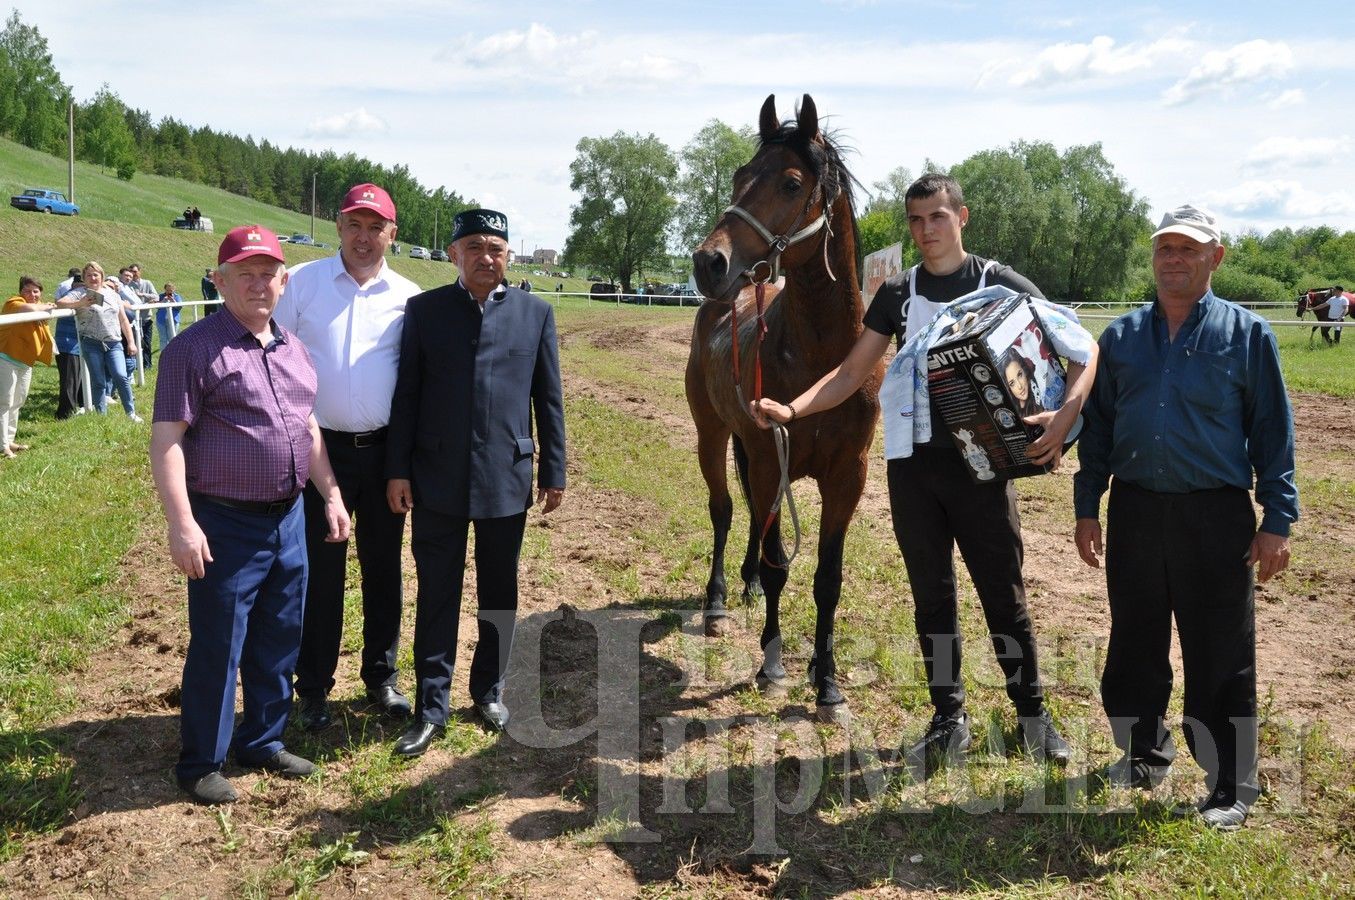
(933, 502)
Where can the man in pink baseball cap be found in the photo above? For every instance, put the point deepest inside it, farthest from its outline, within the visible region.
(349, 311)
(232, 445)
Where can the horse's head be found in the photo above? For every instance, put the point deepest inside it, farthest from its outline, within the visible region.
(1312, 299)
(782, 202)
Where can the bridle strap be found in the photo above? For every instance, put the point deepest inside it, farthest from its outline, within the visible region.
(777, 243)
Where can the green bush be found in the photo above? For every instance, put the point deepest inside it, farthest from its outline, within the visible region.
(1247, 287)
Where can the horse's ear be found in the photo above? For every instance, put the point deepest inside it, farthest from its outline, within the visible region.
(808, 122)
(768, 125)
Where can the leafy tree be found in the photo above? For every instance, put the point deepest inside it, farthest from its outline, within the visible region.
(1068, 222)
(886, 206)
(875, 230)
(707, 183)
(33, 98)
(102, 135)
(625, 185)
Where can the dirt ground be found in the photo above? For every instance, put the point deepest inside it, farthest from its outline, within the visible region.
(134, 835)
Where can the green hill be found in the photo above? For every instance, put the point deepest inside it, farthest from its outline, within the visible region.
(145, 200)
(128, 221)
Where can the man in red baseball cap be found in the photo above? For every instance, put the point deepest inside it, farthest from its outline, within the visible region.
(349, 311)
(233, 443)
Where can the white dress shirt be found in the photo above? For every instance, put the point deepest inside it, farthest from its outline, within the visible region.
(353, 334)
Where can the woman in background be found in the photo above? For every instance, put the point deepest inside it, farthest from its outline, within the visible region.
(22, 346)
(103, 328)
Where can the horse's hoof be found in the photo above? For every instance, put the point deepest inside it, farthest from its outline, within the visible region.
(753, 593)
(719, 625)
(833, 713)
(772, 689)
(772, 680)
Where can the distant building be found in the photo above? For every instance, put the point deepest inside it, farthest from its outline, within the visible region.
(545, 257)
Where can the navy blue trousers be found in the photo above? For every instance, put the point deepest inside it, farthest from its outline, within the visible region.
(439, 544)
(244, 616)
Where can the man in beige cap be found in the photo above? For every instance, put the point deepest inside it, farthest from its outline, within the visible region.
(1189, 405)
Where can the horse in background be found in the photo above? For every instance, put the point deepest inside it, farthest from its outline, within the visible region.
(792, 211)
(1318, 301)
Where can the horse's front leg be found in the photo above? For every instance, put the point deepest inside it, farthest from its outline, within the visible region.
(710, 451)
(752, 582)
(841, 491)
(762, 482)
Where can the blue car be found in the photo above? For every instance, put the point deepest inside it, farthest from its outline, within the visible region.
(43, 200)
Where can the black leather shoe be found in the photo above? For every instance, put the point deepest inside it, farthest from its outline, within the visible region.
(418, 738)
(288, 765)
(494, 715)
(209, 790)
(1042, 741)
(1135, 773)
(1222, 811)
(312, 713)
(391, 701)
(946, 741)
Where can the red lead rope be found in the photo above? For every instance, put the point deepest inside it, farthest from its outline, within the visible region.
(780, 435)
(759, 293)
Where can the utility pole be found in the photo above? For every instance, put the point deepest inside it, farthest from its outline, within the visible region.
(70, 149)
(312, 206)
(435, 227)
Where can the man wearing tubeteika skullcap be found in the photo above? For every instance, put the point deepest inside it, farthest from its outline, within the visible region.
(477, 396)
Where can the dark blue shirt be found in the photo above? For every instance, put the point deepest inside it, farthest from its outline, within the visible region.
(1203, 411)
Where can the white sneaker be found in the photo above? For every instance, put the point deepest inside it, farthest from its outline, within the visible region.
(135, 418)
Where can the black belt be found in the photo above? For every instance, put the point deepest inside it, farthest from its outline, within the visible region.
(261, 507)
(356, 438)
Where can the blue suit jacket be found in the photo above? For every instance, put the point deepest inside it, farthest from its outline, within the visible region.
(461, 416)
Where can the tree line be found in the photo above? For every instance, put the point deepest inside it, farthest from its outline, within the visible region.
(33, 109)
(1067, 219)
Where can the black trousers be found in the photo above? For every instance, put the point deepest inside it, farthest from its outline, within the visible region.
(70, 392)
(144, 344)
(1183, 555)
(935, 507)
(439, 543)
(379, 534)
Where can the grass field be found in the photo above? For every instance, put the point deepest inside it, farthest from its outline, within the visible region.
(82, 539)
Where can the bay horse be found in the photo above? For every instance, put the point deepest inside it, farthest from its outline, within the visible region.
(792, 211)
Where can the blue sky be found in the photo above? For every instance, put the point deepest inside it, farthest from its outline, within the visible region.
(1248, 111)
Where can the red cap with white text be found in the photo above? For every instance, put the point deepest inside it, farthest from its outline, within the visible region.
(370, 197)
(249, 240)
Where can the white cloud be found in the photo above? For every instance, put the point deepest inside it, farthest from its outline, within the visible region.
(1250, 61)
(1100, 57)
(1283, 150)
(1291, 97)
(1280, 199)
(356, 121)
(577, 61)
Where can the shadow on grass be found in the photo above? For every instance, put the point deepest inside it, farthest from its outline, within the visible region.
(642, 766)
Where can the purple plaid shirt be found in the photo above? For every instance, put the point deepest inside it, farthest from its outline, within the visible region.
(247, 409)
